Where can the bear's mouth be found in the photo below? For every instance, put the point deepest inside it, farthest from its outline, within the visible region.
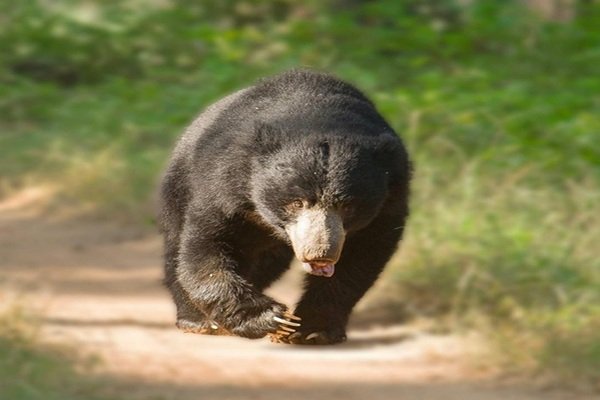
(319, 268)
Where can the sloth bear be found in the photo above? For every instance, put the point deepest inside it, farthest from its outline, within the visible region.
(300, 164)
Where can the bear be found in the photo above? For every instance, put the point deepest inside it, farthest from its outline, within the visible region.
(300, 165)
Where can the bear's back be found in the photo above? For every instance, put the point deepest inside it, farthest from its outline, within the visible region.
(302, 82)
(298, 102)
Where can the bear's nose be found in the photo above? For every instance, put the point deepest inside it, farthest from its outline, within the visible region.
(317, 235)
(321, 253)
(319, 261)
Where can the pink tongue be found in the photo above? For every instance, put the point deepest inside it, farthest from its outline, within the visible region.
(319, 269)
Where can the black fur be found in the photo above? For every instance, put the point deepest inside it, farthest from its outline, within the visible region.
(225, 196)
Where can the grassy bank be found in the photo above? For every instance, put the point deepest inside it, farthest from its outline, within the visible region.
(500, 111)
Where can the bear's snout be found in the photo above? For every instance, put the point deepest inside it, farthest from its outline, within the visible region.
(317, 236)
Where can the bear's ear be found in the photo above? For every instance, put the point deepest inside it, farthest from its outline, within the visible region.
(267, 138)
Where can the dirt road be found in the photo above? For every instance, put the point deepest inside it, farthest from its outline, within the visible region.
(98, 286)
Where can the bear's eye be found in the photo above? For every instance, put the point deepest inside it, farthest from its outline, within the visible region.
(297, 204)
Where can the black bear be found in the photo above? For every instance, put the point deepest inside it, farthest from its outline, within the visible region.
(298, 164)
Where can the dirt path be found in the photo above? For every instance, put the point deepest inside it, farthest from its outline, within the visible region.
(99, 287)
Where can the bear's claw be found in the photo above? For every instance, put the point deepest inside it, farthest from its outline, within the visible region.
(312, 338)
(285, 321)
(291, 316)
(286, 327)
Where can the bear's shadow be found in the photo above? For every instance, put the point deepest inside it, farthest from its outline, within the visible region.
(358, 341)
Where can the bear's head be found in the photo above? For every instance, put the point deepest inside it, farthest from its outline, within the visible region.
(314, 190)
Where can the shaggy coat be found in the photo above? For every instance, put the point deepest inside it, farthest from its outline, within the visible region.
(299, 164)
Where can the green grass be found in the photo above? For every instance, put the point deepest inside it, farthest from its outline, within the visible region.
(515, 258)
(499, 109)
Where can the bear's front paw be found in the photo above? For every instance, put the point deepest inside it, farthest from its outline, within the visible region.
(274, 319)
(315, 337)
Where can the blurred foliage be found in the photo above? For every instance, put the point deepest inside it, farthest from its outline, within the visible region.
(499, 107)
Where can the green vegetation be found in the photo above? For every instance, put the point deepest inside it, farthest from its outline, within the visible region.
(500, 109)
(29, 371)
